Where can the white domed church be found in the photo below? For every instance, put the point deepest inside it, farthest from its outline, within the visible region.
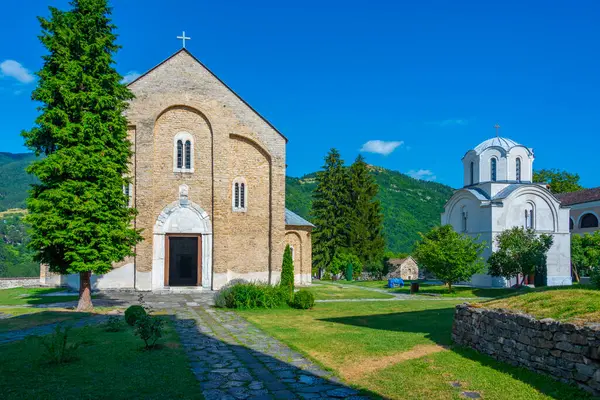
(499, 194)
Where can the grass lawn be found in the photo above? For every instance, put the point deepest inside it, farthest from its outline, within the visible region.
(400, 350)
(574, 304)
(109, 366)
(330, 292)
(457, 291)
(22, 296)
(29, 317)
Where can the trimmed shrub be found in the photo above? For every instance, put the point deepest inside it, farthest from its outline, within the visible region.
(133, 313)
(255, 295)
(303, 299)
(149, 329)
(349, 272)
(221, 296)
(287, 271)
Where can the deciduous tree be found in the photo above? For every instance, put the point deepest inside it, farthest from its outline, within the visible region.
(585, 253)
(559, 181)
(78, 211)
(451, 256)
(520, 251)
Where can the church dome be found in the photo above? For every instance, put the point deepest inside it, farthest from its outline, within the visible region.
(504, 143)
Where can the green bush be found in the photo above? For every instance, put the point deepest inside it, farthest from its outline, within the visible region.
(255, 295)
(57, 349)
(303, 299)
(349, 272)
(133, 313)
(595, 276)
(287, 271)
(113, 324)
(149, 329)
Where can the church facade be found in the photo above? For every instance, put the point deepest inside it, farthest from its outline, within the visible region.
(499, 194)
(208, 181)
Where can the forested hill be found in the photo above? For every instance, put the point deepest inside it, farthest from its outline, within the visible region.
(14, 181)
(409, 205)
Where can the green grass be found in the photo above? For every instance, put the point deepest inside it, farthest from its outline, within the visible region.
(402, 350)
(22, 296)
(109, 366)
(331, 292)
(572, 304)
(24, 318)
(441, 290)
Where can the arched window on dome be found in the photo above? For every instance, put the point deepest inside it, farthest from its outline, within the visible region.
(239, 195)
(188, 154)
(179, 154)
(472, 172)
(493, 165)
(588, 220)
(518, 168)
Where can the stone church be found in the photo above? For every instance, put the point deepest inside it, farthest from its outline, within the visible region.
(208, 181)
(499, 194)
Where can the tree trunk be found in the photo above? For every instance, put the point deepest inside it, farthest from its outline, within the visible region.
(449, 287)
(85, 292)
(575, 272)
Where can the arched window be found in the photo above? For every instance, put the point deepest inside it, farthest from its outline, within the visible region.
(529, 217)
(518, 167)
(571, 224)
(240, 195)
(183, 153)
(493, 169)
(292, 251)
(464, 219)
(179, 154)
(188, 154)
(589, 221)
(472, 172)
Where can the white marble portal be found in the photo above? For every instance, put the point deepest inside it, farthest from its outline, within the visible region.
(181, 216)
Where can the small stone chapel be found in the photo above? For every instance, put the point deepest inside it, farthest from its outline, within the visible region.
(208, 181)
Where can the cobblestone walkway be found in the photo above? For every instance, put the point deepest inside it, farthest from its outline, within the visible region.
(232, 359)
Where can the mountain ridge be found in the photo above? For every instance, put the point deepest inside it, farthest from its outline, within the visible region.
(409, 205)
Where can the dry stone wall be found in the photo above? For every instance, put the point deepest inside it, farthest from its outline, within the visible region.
(565, 351)
(7, 283)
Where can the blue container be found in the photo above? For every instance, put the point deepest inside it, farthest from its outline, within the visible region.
(395, 282)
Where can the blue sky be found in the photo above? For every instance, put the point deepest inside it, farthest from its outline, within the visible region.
(429, 79)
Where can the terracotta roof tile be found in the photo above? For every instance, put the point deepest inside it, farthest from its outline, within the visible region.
(582, 196)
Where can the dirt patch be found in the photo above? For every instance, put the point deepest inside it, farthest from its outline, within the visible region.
(367, 366)
(172, 345)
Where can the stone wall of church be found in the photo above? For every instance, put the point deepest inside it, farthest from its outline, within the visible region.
(299, 237)
(230, 140)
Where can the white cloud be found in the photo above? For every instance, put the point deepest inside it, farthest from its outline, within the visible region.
(423, 174)
(15, 70)
(380, 147)
(130, 77)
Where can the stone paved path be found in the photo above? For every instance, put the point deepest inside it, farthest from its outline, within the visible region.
(233, 359)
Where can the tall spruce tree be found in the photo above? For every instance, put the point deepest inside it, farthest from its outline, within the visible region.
(78, 211)
(329, 210)
(365, 216)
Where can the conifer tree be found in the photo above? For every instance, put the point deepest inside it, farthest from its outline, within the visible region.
(365, 216)
(287, 270)
(78, 211)
(329, 211)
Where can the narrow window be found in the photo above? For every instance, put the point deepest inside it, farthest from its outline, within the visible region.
(493, 170)
(188, 154)
(571, 224)
(292, 251)
(464, 221)
(518, 165)
(531, 221)
(242, 195)
(179, 154)
(236, 195)
(472, 172)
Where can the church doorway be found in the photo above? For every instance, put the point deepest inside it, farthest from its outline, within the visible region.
(183, 266)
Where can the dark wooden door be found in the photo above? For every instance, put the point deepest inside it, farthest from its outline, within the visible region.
(184, 260)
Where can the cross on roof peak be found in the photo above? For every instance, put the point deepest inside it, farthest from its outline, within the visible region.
(184, 38)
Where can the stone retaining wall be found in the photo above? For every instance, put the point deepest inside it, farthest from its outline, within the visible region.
(7, 283)
(564, 351)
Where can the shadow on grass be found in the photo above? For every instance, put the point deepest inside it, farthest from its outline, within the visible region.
(436, 324)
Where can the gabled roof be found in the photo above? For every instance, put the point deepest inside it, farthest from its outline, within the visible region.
(294, 219)
(582, 196)
(216, 77)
